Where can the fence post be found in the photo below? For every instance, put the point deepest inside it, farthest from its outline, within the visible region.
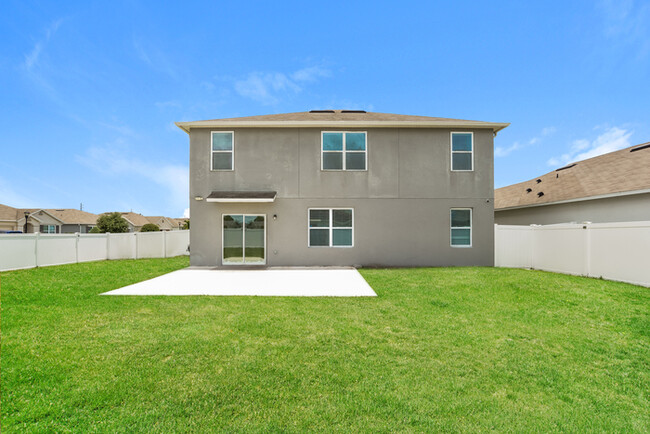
(164, 244)
(36, 237)
(135, 234)
(76, 247)
(533, 235)
(108, 246)
(587, 265)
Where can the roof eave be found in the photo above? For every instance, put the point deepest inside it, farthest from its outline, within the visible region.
(494, 126)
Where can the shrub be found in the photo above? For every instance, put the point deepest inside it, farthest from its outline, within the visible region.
(186, 225)
(113, 223)
(150, 227)
(95, 230)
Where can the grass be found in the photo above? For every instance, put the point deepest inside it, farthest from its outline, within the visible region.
(453, 349)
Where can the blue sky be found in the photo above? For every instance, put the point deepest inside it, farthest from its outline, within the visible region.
(89, 90)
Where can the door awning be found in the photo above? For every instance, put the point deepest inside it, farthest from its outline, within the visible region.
(242, 196)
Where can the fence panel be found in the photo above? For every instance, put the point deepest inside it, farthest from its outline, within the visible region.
(93, 247)
(513, 246)
(31, 250)
(616, 251)
(560, 248)
(17, 251)
(177, 243)
(55, 249)
(621, 251)
(150, 244)
(121, 246)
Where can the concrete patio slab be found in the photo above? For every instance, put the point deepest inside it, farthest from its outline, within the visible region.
(280, 282)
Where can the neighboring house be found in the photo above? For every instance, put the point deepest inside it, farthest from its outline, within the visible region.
(135, 221)
(613, 187)
(164, 223)
(74, 220)
(8, 219)
(179, 223)
(341, 188)
(53, 221)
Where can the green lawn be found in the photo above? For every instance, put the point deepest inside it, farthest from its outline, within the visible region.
(453, 349)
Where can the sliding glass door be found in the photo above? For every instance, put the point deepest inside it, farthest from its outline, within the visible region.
(244, 239)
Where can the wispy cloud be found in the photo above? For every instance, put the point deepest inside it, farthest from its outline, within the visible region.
(612, 139)
(626, 22)
(155, 58)
(32, 58)
(111, 160)
(269, 87)
(500, 151)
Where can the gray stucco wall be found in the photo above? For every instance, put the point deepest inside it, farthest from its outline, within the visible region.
(401, 203)
(615, 209)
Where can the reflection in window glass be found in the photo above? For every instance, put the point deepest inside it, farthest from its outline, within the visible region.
(330, 228)
(461, 227)
(462, 149)
(343, 151)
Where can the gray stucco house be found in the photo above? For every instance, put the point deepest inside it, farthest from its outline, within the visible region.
(341, 187)
(613, 187)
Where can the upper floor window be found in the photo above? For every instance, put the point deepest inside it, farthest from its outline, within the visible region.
(344, 151)
(462, 151)
(461, 227)
(331, 227)
(222, 150)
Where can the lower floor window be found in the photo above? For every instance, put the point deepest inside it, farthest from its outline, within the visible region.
(461, 227)
(48, 229)
(331, 227)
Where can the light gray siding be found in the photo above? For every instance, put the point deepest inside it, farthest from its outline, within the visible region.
(614, 209)
(401, 203)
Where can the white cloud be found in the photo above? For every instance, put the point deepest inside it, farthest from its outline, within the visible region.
(31, 59)
(500, 151)
(626, 22)
(611, 140)
(173, 178)
(269, 87)
(186, 213)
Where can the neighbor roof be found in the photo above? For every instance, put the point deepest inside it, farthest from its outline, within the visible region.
(7, 213)
(135, 219)
(343, 118)
(616, 173)
(73, 216)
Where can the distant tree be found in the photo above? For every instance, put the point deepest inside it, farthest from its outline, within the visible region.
(112, 222)
(150, 227)
(186, 225)
(95, 230)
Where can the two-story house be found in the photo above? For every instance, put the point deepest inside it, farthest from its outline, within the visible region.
(341, 187)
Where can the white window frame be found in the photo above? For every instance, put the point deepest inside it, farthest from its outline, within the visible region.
(212, 152)
(343, 152)
(243, 263)
(451, 148)
(52, 231)
(471, 224)
(331, 227)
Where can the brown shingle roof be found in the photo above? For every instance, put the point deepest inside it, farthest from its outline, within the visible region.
(340, 118)
(615, 172)
(135, 218)
(7, 213)
(74, 216)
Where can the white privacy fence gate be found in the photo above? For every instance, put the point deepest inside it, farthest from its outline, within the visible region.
(36, 250)
(614, 251)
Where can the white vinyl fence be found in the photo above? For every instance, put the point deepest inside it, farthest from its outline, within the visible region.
(614, 251)
(36, 250)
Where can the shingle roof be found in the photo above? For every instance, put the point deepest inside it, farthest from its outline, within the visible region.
(7, 213)
(340, 118)
(74, 216)
(620, 171)
(135, 218)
